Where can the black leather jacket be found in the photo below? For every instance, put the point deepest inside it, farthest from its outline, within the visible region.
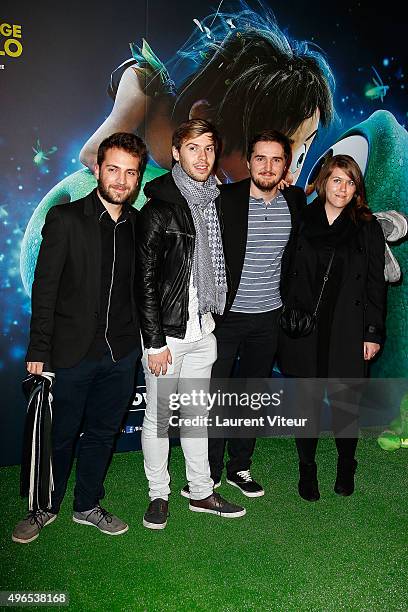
(164, 250)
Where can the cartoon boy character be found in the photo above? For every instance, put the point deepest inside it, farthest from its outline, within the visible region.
(238, 70)
(243, 74)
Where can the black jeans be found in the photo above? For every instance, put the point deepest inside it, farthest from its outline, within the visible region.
(344, 408)
(254, 337)
(91, 397)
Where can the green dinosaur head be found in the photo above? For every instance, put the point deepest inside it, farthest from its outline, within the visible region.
(380, 147)
(386, 169)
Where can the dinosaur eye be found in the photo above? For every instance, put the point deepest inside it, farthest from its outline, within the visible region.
(356, 146)
(298, 158)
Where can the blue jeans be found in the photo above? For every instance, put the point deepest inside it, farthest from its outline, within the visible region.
(92, 398)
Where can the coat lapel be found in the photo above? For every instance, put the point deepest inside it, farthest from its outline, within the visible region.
(93, 237)
(132, 221)
(234, 211)
(290, 197)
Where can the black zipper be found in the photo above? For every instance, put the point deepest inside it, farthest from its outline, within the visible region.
(189, 265)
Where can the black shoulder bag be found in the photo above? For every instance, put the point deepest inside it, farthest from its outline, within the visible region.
(296, 322)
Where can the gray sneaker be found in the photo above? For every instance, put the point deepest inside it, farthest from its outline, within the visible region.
(29, 528)
(102, 519)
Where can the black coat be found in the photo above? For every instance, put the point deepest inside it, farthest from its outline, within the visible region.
(66, 289)
(359, 309)
(234, 210)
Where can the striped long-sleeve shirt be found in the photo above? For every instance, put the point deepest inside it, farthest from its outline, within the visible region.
(269, 225)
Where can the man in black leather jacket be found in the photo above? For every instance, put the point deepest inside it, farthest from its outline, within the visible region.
(181, 281)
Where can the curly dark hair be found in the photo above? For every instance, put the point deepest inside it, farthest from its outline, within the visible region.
(130, 143)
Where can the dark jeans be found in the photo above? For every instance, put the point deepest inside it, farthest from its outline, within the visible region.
(254, 338)
(94, 395)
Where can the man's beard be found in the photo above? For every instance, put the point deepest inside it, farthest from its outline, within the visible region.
(199, 178)
(265, 184)
(117, 199)
(190, 171)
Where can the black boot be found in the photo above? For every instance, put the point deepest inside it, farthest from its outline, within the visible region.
(344, 484)
(308, 484)
(346, 465)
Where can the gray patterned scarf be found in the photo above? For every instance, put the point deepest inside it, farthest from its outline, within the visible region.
(208, 261)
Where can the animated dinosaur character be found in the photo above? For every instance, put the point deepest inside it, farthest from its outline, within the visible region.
(396, 436)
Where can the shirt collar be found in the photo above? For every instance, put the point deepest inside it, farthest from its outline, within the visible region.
(254, 200)
(101, 210)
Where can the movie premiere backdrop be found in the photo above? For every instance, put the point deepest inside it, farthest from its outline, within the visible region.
(71, 73)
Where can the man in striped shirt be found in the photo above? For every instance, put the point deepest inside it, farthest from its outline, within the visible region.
(258, 218)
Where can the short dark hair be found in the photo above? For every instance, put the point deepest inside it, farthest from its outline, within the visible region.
(358, 208)
(272, 136)
(130, 143)
(197, 127)
(254, 76)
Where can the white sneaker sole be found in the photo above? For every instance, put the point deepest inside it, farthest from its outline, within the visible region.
(154, 525)
(187, 495)
(222, 514)
(113, 533)
(19, 541)
(256, 494)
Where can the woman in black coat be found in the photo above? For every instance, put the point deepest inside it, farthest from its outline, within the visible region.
(350, 320)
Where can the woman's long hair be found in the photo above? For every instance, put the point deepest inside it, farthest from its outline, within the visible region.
(358, 207)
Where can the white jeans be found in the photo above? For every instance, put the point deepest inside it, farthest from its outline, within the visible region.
(192, 360)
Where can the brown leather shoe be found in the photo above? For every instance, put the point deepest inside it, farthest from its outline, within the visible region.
(215, 504)
(156, 515)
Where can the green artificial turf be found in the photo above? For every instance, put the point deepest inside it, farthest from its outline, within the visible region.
(285, 554)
